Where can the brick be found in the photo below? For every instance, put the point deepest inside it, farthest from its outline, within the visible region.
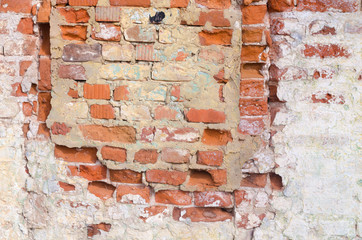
(108, 14)
(252, 35)
(60, 129)
(216, 37)
(253, 106)
(116, 52)
(44, 83)
(147, 134)
(7, 68)
(26, 26)
(27, 109)
(214, 4)
(252, 88)
(146, 53)
(285, 74)
(176, 94)
(169, 134)
(210, 158)
(321, 28)
(251, 70)
(141, 34)
(94, 229)
(17, 6)
(135, 113)
(25, 47)
(24, 66)
(97, 91)
(205, 116)
(61, 2)
(327, 98)
(75, 72)
(102, 190)
(165, 113)
(44, 30)
(83, 2)
(325, 51)
(91, 173)
(216, 137)
(44, 10)
(252, 53)
(254, 181)
(179, 3)
(251, 126)
(131, 3)
(219, 176)
(83, 155)
(328, 5)
(175, 155)
(253, 14)
(81, 52)
(121, 93)
(153, 211)
(213, 199)
(276, 181)
(216, 18)
(66, 186)
(74, 15)
(107, 32)
(201, 214)
(114, 154)
(133, 194)
(76, 33)
(174, 197)
(17, 90)
(280, 5)
(166, 177)
(125, 176)
(145, 156)
(44, 105)
(73, 93)
(43, 131)
(102, 111)
(125, 134)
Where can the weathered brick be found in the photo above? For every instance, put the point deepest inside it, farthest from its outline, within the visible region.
(166, 177)
(44, 105)
(201, 214)
(101, 189)
(327, 98)
(116, 52)
(141, 34)
(135, 113)
(179, 3)
(7, 68)
(214, 4)
(213, 199)
(325, 51)
(280, 5)
(94, 229)
(76, 72)
(131, 3)
(121, 93)
(133, 194)
(165, 112)
(145, 156)
(169, 134)
(18, 6)
(146, 53)
(107, 32)
(276, 181)
(27, 109)
(147, 134)
(81, 52)
(125, 71)
(77, 33)
(175, 155)
(251, 126)
(84, 155)
(44, 82)
(172, 72)
(205, 116)
(25, 26)
(74, 15)
(102, 111)
(108, 14)
(153, 211)
(252, 35)
(60, 129)
(125, 176)
(216, 18)
(24, 66)
(114, 154)
(252, 88)
(124, 134)
(25, 47)
(83, 2)
(253, 106)
(66, 186)
(216, 137)
(44, 30)
(44, 10)
(253, 53)
(254, 14)
(328, 5)
(174, 197)
(219, 176)
(97, 91)
(216, 37)
(61, 2)
(210, 158)
(251, 70)
(91, 173)
(254, 181)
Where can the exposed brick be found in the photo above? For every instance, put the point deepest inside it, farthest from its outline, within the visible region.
(140, 33)
(66, 186)
(276, 181)
(145, 156)
(213, 199)
(146, 53)
(102, 111)
(166, 177)
(7, 68)
(43, 15)
(252, 53)
(280, 5)
(328, 5)
(44, 82)
(253, 106)
(76, 72)
(147, 134)
(214, 4)
(91, 173)
(61, 2)
(44, 131)
(125, 176)
(252, 35)
(116, 52)
(18, 6)
(175, 155)
(168, 134)
(216, 37)
(254, 181)
(93, 229)
(81, 52)
(216, 18)
(26, 26)
(251, 126)
(107, 32)
(176, 94)
(175, 197)
(252, 88)
(44, 30)
(74, 15)
(27, 109)
(83, 155)
(77, 33)
(114, 154)
(201, 214)
(17, 90)
(108, 14)
(219, 176)
(131, 3)
(24, 66)
(327, 98)
(26, 47)
(205, 116)
(101, 189)
(216, 137)
(83, 2)
(44, 105)
(165, 112)
(121, 93)
(220, 77)
(179, 3)
(251, 70)
(153, 211)
(253, 14)
(133, 194)
(124, 134)
(60, 128)
(325, 51)
(210, 158)
(98, 91)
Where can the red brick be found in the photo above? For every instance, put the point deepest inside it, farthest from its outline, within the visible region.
(289, 73)
(98, 91)
(251, 126)
(92, 173)
(205, 116)
(254, 181)
(83, 155)
(26, 26)
(251, 70)
(18, 6)
(66, 186)
(324, 74)
(215, 4)
(43, 15)
(108, 14)
(81, 52)
(174, 197)
(327, 98)
(179, 3)
(174, 155)
(76, 72)
(146, 53)
(252, 88)
(74, 16)
(44, 30)
(27, 47)
(25, 129)
(219, 176)
(44, 83)
(125, 176)
(153, 211)
(139, 33)
(61, 2)
(328, 5)
(252, 53)
(241, 196)
(166, 177)
(43, 130)
(125, 134)
(252, 35)
(131, 3)
(17, 90)
(73, 93)
(101, 189)
(213, 199)
(254, 14)
(165, 112)
(202, 180)
(27, 109)
(147, 134)
(145, 156)
(280, 5)
(201, 214)
(107, 32)
(216, 37)
(102, 111)
(121, 93)
(114, 154)
(142, 192)
(253, 106)
(186, 134)
(212, 55)
(77, 33)
(220, 77)
(24, 66)
(216, 137)
(83, 2)
(276, 181)
(44, 105)
(60, 129)
(325, 51)
(210, 158)
(176, 94)
(216, 18)
(93, 229)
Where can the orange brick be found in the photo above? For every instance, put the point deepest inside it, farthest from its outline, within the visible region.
(214, 4)
(216, 137)
(142, 192)
(205, 116)
(114, 154)
(83, 2)
(125, 176)
(166, 177)
(84, 155)
(102, 111)
(26, 26)
(216, 37)
(254, 14)
(174, 197)
(131, 3)
(77, 33)
(101, 189)
(74, 16)
(125, 134)
(98, 91)
(145, 156)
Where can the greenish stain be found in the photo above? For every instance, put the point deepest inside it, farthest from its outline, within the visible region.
(359, 183)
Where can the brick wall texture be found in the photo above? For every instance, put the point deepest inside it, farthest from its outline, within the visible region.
(180, 119)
